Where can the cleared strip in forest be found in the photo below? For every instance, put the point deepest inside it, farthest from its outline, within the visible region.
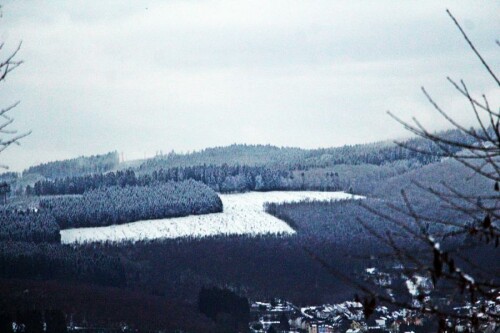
(243, 214)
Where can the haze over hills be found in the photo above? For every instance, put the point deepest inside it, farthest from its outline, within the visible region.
(252, 155)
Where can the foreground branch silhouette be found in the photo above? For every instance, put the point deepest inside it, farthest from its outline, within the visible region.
(464, 294)
(8, 136)
(447, 281)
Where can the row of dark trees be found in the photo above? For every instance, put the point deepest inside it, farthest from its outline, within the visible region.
(117, 205)
(224, 178)
(80, 184)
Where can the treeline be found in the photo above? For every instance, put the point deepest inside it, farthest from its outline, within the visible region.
(243, 178)
(59, 262)
(81, 184)
(222, 165)
(235, 154)
(239, 168)
(75, 167)
(259, 155)
(381, 153)
(224, 179)
(117, 205)
(28, 226)
(296, 158)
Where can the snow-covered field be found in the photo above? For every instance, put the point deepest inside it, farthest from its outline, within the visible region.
(243, 214)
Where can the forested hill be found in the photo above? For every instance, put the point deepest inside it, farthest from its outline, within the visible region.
(236, 154)
(239, 168)
(118, 205)
(75, 167)
(378, 153)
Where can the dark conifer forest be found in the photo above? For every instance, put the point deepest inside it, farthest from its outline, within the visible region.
(117, 205)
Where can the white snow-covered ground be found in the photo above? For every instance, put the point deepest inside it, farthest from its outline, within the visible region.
(243, 214)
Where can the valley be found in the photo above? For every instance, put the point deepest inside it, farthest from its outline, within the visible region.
(159, 232)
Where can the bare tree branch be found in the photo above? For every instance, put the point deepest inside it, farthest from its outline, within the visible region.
(7, 66)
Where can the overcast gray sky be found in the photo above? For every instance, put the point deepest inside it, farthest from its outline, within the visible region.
(144, 76)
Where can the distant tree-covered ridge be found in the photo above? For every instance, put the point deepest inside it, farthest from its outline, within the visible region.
(75, 167)
(295, 158)
(235, 154)
(224, 178)
(228, 179)
(81, 184)
(117, 205)
(239, 168)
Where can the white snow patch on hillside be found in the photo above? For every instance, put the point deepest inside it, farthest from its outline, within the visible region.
(243, 214)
